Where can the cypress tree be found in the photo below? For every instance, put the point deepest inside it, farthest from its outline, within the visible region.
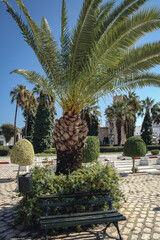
(147, 131)
(42, 131)
(92, 124)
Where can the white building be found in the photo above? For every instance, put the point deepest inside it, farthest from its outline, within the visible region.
(156, 132)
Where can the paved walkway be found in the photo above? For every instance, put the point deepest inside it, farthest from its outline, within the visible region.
(142, 209)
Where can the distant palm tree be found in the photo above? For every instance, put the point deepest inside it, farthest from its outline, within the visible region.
(156, 113)
(19, 95)
(119, 111)
(147, 104)
(97, 59)
(29, 107)
(136, 108)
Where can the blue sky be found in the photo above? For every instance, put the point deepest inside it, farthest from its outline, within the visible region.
(15, 53)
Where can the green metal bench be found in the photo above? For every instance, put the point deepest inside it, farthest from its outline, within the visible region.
(83, 218)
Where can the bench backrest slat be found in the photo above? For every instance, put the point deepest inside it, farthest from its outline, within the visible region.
(73, 195)
(78, 202)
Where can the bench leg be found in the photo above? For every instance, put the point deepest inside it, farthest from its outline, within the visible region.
(116, 225)
(46, 235)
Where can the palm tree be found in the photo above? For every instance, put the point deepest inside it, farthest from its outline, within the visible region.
(156, 113)
(136, 108)
(97, 59)
(19, 95)
(90, 114)
(119, 111)
(29, 107)
(147, 104)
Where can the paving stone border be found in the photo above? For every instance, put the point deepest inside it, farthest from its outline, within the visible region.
(142, 209)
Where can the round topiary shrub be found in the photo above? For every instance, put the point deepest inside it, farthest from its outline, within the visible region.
(22, 153)
(134, 147)
(92, 150)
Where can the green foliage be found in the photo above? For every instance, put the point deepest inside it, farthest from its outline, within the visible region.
(4, 150)
(104, 149)
(42, 132)
(51, 150)
(8, 131)
(95, 177)
(147, 131)
(101, 47)
(136, 169)
(155, 152)
(153, 147)
(92, 124)
(22, 153)
(92, 150)
(134, 147)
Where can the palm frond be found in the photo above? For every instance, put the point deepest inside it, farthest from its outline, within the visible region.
(39, 80)
(126, 8)
(65, 38)
(136, 81)
(83, 36)
(47, 48)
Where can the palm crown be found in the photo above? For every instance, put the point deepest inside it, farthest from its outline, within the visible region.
(99, 57)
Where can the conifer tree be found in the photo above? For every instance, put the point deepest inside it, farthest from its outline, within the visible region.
(147, 131)
(42, 131)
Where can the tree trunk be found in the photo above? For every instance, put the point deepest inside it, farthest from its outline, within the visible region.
(133, 168)
(69, 135)
(118, 126)
(15, 119)
(26, 125)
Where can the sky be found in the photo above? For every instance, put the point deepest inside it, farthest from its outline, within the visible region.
(16, 54)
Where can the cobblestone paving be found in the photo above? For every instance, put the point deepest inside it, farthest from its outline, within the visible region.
(142, 209)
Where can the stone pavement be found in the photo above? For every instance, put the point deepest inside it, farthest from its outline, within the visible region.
(142, 209)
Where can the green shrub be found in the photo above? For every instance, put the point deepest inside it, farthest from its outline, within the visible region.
(51, 150)
(92, 150)
(22, 153)
(134, 147)
(4, 150)
(95, 177)
(155, 152)
(153, 147)
(111, 149)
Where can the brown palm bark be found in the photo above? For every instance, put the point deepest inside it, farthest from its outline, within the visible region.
(69, 135)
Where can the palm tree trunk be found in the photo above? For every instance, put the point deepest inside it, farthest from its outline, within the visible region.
(15, 119)
(118, 126)
(70, 134)
(26, 125)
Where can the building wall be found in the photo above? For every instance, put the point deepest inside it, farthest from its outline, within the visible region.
(103, 132)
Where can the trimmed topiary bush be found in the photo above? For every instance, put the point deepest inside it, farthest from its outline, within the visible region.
(92, 150)
(155, 152)
(22, 153)
(134, 147)
(93, 178)
(4, 150)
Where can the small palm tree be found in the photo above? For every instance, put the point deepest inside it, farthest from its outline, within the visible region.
(19, 95)
(156, 113)
(147, 104)
(136, 108)
(29, 106)
(97, 59)
(119, 111)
